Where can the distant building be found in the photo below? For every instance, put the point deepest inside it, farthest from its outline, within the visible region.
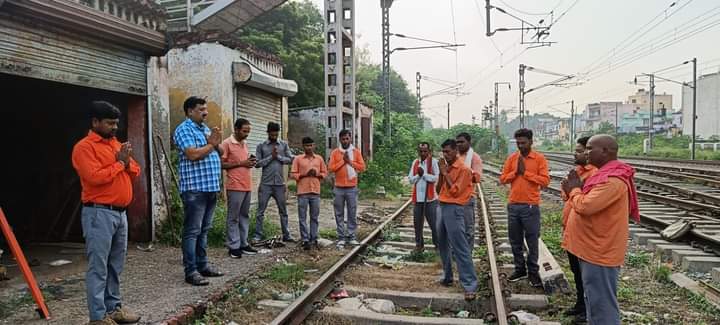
(641, 101)
(608, 112)
(707, 123)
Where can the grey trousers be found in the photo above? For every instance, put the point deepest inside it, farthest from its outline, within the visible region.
(524, 223)
(600, 283)
(452, 241)
(470, 223)
(430, 209)
(238, 219)
(265, 192)
(105, 233)
(313, 201)
(345, 200)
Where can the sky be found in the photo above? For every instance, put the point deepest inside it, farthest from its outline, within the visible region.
(604, 43)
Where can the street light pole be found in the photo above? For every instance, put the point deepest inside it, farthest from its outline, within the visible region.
(572, 123)
(651, 127)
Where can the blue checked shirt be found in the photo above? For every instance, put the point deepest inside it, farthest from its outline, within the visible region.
(201, 175)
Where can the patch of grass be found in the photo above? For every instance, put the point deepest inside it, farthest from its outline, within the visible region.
(701, 304)
(504, 259)
(270, 229)
(625, 294)
(241, 299)
(480, 252)
(427, 312)
(328, 233)
(662, 273)
(326, 190)
(13, 304)
(290, 275)
(552, 232)
(638, 259)
(427, 256)
(391, 234)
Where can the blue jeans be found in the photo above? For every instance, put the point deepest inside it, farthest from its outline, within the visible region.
(199, 208)
(265, 192)
(305, 200)
(345, 197)
(105, 233)
(470, 222)
(600, 283)
(524, 224)
(451, 236)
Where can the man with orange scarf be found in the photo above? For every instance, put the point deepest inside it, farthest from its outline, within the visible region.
(423, 175)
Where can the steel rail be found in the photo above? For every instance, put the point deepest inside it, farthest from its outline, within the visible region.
(303, 306)
(655, 159)
(499, 299)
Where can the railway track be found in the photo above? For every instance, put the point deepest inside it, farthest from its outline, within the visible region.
(662, 203)
(379, 269)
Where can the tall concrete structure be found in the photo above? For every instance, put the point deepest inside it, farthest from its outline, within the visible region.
(641, 101)
(610, 112)
(341, 110)
(708, 107)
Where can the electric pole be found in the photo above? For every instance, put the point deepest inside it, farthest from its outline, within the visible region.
(651, 127)
(496, 139)
(522, 96)
(448, 116)
(417, 89)
(385, 4)
(617, 127)
(694, 107)
(572, 123)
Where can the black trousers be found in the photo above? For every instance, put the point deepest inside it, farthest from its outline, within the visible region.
(575, 268)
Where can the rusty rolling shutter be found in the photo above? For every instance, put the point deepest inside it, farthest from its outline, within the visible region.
(259, 107)
(32, 49)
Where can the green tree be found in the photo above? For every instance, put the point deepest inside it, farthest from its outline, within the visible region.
(606, 128)
(294, 32)
(481, 137)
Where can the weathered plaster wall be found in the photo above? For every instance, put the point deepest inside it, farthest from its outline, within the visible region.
(159, 108)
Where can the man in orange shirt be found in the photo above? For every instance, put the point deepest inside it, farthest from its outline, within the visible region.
(597, 228)
(584, 170)
(106, 169)
(346, 162)
(308, 170)
(456, 189)
(238, 164)
(527, 172)
(471, 160)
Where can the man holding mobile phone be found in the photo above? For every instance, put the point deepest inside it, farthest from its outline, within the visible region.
(238, 183)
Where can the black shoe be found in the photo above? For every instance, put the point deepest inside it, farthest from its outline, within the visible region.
(289, 240)
(315, 245)
(197, 280)
(574, 311)
(517, 275)
(581, 318)
(247, 250)
(306, 245)
(235, 253)
(535, 280)
(446, 283)
(211, 273)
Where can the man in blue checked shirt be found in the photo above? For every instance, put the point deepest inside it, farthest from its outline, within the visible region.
(199, 184)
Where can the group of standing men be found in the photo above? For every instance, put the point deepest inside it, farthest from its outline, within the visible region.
(106, 169)
(599, 197)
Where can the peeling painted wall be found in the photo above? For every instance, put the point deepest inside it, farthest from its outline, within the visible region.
(159, 107)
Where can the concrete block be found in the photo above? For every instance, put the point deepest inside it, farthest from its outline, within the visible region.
(528, 302)
(504, 247)
(715, 274)
(701, 264)
(664, 252)
(678, 254)
(633, 231)
(406, 245)
(642, 238)
(652, 243)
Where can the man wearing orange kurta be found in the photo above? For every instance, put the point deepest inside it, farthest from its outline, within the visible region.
(456, 189)
(308, 170)
(346, 162)
(471, 160)
(106, 169)
(597, 227)
(527, 172)
(584, 170)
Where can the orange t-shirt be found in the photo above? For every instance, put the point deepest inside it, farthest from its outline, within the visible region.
(462, 186)
(584, 172)
(337, 166)
(597, 228)
(238, 178)
(301, 166)
(526, 188)
(104, 179)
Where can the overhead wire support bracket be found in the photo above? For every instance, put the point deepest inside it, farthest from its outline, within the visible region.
(540, 32)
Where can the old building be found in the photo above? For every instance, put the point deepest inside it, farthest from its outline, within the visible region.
(707, 123)
(238, 81)
(56, 57)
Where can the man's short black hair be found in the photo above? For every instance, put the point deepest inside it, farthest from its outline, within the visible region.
(239, 123)
(344, 132)
(273, 127)
(191, 102)
(525, 133)
(583, 141)
(101, 110)
(424, 143)
(450, 143)
(307, 140)
(464, 135)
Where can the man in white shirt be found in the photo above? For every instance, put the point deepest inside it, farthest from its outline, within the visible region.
(423, 175)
